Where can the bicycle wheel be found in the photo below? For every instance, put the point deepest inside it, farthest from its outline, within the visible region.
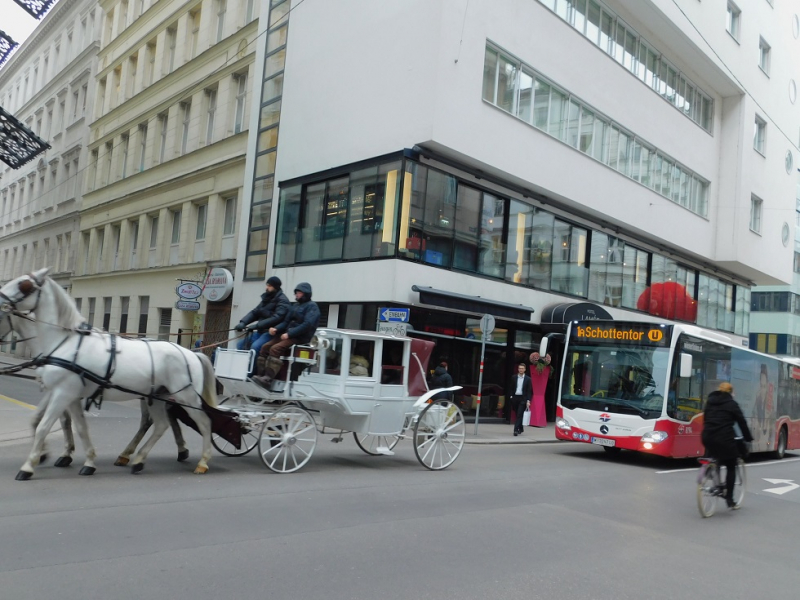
(707, 490)
(740, 486)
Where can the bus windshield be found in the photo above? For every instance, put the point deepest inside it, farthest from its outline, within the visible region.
(624, 379)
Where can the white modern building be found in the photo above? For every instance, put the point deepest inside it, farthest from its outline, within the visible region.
(47, 84)
(634, 159)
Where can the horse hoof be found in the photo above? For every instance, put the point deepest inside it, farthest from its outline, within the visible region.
(87, 471)
(43, 458)
(122, 461)
(183, 455)
(63, 461)
(23, 476)
(200, 470)
(137, 468)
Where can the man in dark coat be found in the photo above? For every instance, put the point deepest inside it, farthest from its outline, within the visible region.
(272, 309)
(297, 328)
(520, 392)
(442, 379)
(719, 438)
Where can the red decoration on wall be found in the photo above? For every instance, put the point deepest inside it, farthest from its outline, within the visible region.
(669, 300)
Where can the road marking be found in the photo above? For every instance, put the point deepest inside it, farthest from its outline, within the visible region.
(25, 404)
(749, 465)
(781, 490)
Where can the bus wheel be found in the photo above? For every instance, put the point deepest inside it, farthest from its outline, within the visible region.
(780, 449)
(613, 451)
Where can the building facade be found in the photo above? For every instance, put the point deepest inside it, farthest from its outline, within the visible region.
(48, 85)
(166, 162)
(633, 159)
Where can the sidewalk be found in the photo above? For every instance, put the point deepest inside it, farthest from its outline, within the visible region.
(15, 420)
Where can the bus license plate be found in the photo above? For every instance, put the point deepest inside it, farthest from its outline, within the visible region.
(603, 442)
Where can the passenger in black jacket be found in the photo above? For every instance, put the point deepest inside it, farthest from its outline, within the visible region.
(719, 437)
(297, 328)
(272, 310)
(442, 379)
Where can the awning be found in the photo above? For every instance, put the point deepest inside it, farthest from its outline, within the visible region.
(564, 312)
(473, 304)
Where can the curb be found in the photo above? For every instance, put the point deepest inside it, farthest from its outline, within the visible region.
(498, 442)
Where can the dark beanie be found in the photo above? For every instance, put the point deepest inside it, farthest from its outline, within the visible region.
(274, 282)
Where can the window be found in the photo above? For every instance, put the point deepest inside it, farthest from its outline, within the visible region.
(123, 315)
(162, 149)
(763, 55)
(90, 319)
(186, 107)
(125, 143)
(759, 136)
(150, 63)
(142, 145)
(164, 323)
(75, 103)
(211, 101)
(222, 6)
(106, 313)
(176, 227)
(241, 94)
(732, 23)
(134, 233)
(229, 224)
(195, 25)
(169, 55)
(153, 232)
(200, 232)
(144, 308)
(755, 214)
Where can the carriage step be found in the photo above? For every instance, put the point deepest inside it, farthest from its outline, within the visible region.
(384, 450)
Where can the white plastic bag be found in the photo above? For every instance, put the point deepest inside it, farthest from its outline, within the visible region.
(526, 418)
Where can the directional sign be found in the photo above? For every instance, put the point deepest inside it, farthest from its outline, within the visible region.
(397, 315)
(781, 490)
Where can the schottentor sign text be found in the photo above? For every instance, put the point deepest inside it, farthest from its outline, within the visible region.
(622, 333)
(219, 285)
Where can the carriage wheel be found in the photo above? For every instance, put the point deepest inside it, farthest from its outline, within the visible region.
(288, 439)
(439, 435)
(370, 443)
(249, 436)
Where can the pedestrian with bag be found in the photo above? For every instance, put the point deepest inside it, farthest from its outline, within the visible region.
(520, 392)
(271, 311)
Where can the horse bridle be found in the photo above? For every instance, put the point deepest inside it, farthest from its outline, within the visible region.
(8, 305)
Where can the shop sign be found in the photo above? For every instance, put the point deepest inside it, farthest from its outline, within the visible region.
(189, 291)
(219, 285)
(187, 305)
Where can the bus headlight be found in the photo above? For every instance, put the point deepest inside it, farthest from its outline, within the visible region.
(562, 424)
(652, 438)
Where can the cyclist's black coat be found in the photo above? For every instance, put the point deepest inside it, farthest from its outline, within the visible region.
(721, 412)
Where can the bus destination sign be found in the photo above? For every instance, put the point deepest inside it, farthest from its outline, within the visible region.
(622, 333)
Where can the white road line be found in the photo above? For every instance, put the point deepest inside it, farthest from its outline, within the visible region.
(761, 464)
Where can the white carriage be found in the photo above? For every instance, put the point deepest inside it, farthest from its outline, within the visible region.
(367, 383)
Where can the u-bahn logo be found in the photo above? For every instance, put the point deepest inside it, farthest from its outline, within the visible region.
(655, 335)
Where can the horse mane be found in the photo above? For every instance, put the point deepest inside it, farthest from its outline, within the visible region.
(68, 314)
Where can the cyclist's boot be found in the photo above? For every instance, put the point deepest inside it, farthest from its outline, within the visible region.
(729, 501)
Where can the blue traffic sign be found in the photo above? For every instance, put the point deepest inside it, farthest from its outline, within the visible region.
(397, 315)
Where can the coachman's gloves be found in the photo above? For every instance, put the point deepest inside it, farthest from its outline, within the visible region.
(239, 326)
(252, 327)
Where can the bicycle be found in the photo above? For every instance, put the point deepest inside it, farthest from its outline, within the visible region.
(711, 485)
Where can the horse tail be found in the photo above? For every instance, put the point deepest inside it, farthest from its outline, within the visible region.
(209, 380)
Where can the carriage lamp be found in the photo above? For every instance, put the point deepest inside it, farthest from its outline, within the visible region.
(562, 424)
(653, 437)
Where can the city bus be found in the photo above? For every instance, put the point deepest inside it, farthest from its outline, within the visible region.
(642, 386)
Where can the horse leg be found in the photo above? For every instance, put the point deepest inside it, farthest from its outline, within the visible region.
(37, 418)
(65, 459)
(145, 422)
(82, 427)
(183, 451)
(204, 425)
(53, 409)
(161, 424)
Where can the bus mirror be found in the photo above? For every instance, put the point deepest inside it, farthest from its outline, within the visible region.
(543, 347)
(685, 365)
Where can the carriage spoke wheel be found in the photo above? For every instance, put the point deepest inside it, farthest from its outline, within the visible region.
(249, 435)
(370, 443)
(439, 435)
(288, 439)
(707, 494)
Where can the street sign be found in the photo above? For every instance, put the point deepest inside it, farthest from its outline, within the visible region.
(396, 329)
(487, 324)
(187, 305)
(394, 315)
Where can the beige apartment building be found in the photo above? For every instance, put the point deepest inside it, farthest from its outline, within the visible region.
(164, 182)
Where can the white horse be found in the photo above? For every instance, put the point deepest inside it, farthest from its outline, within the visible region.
(79, 363)
(26, 328)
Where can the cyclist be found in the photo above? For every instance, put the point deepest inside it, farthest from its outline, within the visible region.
(719, 437)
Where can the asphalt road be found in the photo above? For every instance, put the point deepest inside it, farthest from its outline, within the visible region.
(541, 521)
